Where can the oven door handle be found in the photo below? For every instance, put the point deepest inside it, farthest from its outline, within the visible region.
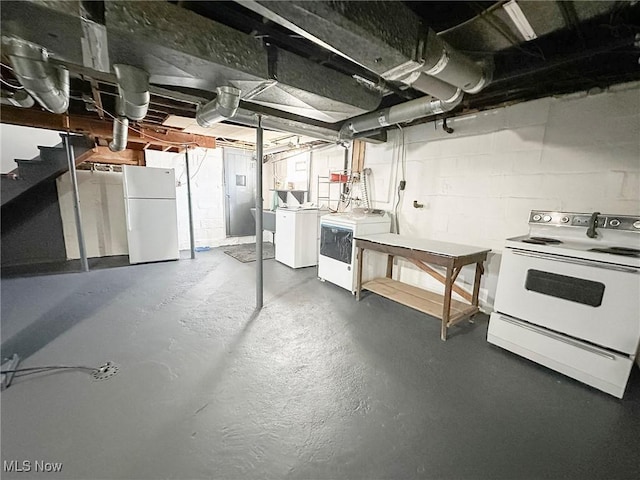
(559, 337)
(575, 261)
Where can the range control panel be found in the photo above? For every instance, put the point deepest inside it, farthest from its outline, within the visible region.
(614, 222)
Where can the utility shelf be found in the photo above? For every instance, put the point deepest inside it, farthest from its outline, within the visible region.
(419, 299)
(299, 195)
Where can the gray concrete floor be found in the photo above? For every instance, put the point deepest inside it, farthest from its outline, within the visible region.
(315, 386)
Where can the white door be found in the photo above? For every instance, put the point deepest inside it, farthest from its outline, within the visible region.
(285, 237)
(152, 229)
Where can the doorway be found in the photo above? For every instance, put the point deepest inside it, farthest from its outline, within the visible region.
(240, 192)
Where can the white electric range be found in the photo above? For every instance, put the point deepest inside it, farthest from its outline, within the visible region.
(568, 296)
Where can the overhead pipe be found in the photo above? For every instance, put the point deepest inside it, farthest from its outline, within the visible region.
(46, 83)
(223, 107)
(246, 117)
(432, 86)
(18, 99)
(132, 102)
(120, 134)
(442, 61)
(404, 112)
(441, 71)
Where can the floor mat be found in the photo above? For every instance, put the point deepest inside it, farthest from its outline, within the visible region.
(246, 252)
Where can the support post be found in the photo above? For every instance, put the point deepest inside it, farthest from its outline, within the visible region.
(259, 206)
(192, 239)
(71, 161)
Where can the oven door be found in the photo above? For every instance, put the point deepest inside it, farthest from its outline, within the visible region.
(336, 242)
(593, 301)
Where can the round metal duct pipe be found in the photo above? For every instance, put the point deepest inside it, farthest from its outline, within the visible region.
(48, 84)
(133, 91)
(223, 107)
(432, 86)
(442, 61)
(120, 134)
(405, 112)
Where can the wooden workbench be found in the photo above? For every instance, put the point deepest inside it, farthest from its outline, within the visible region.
(420, 252)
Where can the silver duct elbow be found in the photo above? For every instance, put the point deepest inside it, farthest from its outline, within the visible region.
(120, 134)
(402, 113)
(222, 108)
(46, 83)
(132, 102)
(133, 92)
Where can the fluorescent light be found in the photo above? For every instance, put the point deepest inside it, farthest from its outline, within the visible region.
(519, 19)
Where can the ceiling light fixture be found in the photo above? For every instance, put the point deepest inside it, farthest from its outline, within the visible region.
(519, 19)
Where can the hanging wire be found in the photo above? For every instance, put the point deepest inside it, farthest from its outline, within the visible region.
(47, 368)
(202, 159)
(144, 134)
(17, 87)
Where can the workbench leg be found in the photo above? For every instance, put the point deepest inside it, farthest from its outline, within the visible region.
(476, 283)
(446, 308)
(359, 252)
(390, 266)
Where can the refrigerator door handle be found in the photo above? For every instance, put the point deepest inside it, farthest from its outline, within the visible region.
(128, 215)
(124, 182)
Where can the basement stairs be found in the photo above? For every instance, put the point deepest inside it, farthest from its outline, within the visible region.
(48, 165)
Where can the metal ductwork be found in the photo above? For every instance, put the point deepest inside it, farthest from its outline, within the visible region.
(120, 134)
(133, 91)
(384, 37)
(249, 119)
(18, 99)
(390, 40)
(445, 63)
(184, 50)
(405, 112)
(222, 108)
(132, 102)
(46, 83)
(432, 86)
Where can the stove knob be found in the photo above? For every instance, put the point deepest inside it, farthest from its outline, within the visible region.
(537, 217)
(614, 223)
(636, 224)
(564, 219)
(546, 218)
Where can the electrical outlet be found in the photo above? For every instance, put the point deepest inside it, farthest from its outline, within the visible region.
(403, 184)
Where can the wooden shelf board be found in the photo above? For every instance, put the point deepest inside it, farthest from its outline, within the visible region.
(422, 300)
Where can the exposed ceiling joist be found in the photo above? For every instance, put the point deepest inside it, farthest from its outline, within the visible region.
(96, 128)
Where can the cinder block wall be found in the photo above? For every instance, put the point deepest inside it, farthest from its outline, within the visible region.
(579, 153)
(207, 194)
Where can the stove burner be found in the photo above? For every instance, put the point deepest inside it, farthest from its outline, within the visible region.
(627, 252)
(542, 241)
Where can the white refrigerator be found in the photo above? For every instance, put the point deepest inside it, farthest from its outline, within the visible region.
(297, 237)
(151, 213)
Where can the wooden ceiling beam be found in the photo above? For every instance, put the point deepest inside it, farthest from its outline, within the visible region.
(125, 157)
(102, 129)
